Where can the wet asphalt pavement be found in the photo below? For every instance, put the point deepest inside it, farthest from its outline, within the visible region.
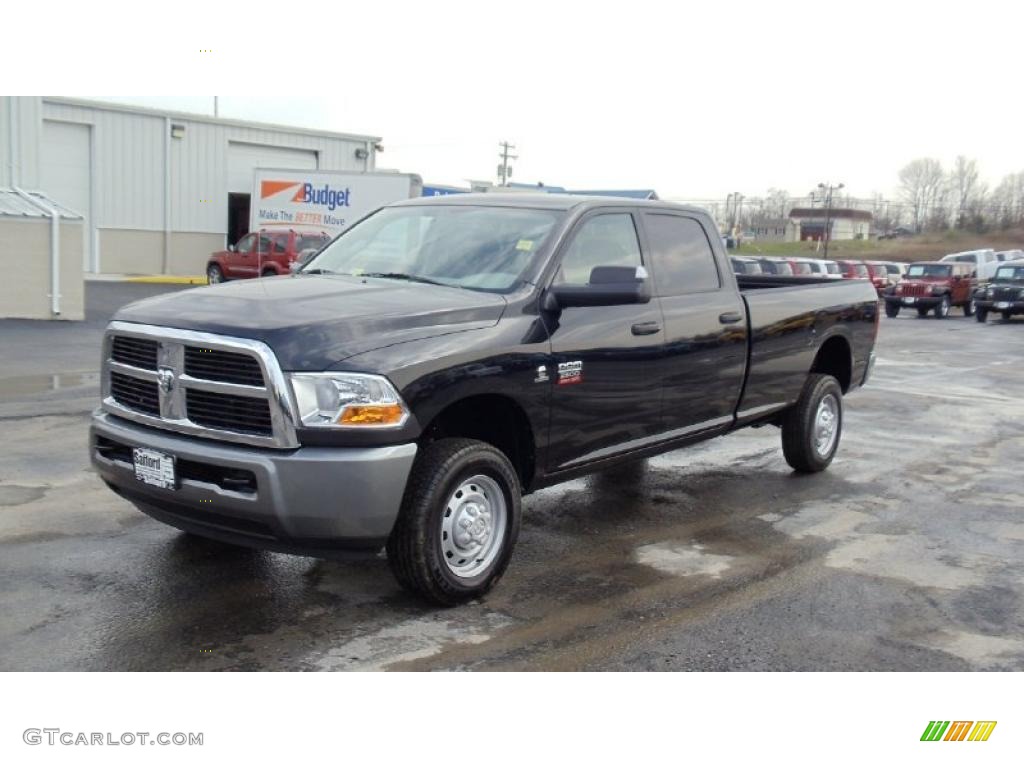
(907, 554)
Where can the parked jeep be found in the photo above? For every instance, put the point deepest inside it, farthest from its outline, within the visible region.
(1005, 294)
(937, 286)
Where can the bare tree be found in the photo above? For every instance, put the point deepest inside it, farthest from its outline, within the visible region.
(921, 182)
(1008, 201)
(777, 203)
(963, 183)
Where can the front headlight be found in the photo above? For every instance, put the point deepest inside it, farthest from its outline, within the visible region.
(347, 400)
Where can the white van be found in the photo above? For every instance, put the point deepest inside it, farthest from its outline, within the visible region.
(983, 259)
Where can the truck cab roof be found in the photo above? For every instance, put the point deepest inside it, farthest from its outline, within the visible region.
(544, 200)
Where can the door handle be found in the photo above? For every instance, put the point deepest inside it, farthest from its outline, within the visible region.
(645, 329)
(728, 318)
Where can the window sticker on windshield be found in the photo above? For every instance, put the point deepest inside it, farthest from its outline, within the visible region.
(524, 245)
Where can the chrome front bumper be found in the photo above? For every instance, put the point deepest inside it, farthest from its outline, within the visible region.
(297, 500)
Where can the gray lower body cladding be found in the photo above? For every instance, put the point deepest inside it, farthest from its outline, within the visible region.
(301, 500)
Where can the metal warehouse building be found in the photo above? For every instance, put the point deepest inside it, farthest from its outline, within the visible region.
(158, 191)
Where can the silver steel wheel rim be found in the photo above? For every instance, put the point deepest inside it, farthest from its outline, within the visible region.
(473, 526)
(944, 307)
(826, 425)
(212, 275)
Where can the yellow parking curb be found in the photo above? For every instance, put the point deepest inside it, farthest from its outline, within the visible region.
(170, 279)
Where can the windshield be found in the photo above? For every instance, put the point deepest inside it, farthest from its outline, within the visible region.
(929, 270)
(481, 247)
(1010, 273)
(832, 267)
(801, 268)
(777, 268)
(892, 269)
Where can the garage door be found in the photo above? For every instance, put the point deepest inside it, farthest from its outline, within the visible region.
(243, 158)
(66, 175)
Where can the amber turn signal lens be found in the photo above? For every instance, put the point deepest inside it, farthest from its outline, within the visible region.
(372, 414)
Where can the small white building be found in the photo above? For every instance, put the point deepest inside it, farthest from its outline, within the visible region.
(843, 223)
(40, 258)
(158, 191)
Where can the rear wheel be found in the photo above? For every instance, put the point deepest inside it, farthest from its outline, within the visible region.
(969, 307)
(891, 310)
(812, 428)
(458, 523)
(981, 315)
(942, 308)
(214, 274)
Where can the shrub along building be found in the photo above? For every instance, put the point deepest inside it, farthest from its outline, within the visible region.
(157, 191)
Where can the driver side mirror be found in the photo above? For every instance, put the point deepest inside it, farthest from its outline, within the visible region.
(608, 287)
(231, 248)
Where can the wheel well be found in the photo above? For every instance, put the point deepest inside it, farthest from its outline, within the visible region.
(493, 419)
(834, 358)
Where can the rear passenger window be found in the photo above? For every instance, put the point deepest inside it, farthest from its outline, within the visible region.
(606, 240)
(681, 255)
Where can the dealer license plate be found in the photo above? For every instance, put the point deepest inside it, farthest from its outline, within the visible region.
(154, 468)
(912, 300)
(1002, 305)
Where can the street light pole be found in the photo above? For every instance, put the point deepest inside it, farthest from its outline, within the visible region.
(828, 189)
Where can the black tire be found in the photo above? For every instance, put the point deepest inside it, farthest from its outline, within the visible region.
(799, 427)
(969, 307)
(981, 315)
(942, 308)
(415, 552)
(214, 274)
(1006, 316)
(891, 310)
(922, 311)
(268, 272)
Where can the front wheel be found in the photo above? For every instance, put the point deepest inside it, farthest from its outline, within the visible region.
(981, 315)
(214, 274)
(812, 428)
(268, 272)
(942, 308)
(1006, 315)
(922, 311)
(891, 310)
(458, 523)
(969, 307)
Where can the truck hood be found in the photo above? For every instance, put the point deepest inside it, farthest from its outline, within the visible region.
(314, 321)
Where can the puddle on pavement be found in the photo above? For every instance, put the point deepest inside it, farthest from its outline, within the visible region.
(683, 559)
(16, 387)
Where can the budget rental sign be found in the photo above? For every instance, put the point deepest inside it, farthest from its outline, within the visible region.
(323, 200)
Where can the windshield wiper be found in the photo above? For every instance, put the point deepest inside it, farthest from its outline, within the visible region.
(317, 271)
(401, 276)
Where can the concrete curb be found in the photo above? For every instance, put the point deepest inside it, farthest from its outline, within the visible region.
(159, 279)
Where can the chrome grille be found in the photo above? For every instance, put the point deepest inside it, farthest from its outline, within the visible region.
(134, 393)
(130, 350)
(200, 384)
(217, 365)
(220, 411)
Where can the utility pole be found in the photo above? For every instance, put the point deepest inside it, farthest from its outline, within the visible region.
(216, 107)
(828, 188)
(505, 170)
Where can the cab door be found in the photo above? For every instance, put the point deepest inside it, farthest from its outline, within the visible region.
(604, 372)
(705, 325)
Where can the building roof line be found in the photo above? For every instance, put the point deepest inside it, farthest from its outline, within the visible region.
(197, 117)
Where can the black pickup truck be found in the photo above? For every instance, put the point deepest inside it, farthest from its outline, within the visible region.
(444, 356)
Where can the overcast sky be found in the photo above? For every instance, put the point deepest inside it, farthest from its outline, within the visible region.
(694, 102)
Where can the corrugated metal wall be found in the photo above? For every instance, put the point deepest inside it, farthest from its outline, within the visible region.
(129, 164)
(19, 130)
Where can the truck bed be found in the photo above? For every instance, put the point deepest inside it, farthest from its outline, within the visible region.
(789, 318)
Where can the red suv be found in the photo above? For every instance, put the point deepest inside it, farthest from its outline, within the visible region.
(933, 286)
(261, 254)
(879, 276)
